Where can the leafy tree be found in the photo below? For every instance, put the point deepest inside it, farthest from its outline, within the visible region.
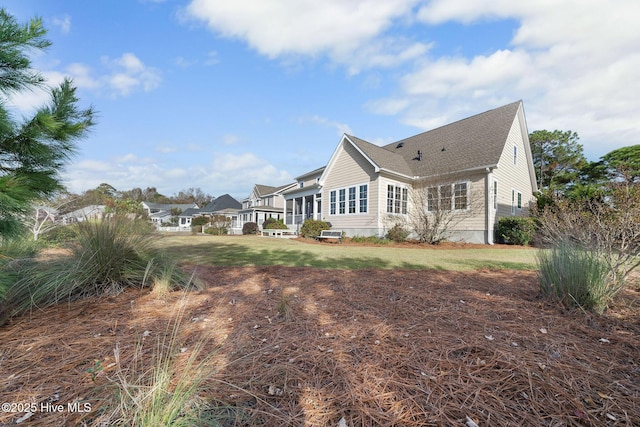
(557, 158)
(622, 164)
(192, 195)
(33, 150)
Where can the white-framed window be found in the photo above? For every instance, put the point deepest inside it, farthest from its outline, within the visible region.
(448, 197)
(516, 201)
(397, 198)
(495, 194)
(349, 200)
(364, 190)
(515, 154)
(332, 202)
(519, 205)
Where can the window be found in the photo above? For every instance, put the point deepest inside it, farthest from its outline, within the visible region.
(448, 197)
(432, 199)
(350, 200)
(460, 196)
(513, 202)
(515, 154)
(397, 199)
(332, 202)
(519, 200)
(495, 194)
(363, 198)
(445, 197)
(301, 184)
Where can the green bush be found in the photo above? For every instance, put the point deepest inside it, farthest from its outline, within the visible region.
(313, 227)
(274, 224)
(397, 233)
(59, 235)
(217, 231)
(250, 228)
(107, 256)
(516, 230)
(576, 276)
(199, 220)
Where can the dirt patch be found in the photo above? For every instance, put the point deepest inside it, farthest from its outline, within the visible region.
(304, 346)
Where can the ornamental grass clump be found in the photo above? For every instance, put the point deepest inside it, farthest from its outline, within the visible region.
(107, 256)
(577, 277)
(162, 385)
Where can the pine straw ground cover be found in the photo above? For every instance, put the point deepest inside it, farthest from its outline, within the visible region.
(306, 346)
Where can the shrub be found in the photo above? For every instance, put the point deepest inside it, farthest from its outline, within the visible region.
(250, 228)
(107, 256)
(274, 224)
(199, 221)
(59, 235)
(369, 239)
(515, 230)
(313, 227)
(576, 276)
(397, 233)
(217, 231)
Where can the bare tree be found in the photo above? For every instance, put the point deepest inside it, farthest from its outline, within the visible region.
(436, 209)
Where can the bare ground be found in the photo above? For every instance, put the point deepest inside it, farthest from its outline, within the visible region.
(305, 346)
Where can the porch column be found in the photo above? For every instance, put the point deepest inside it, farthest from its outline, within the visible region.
(304, 210)
(285, 211)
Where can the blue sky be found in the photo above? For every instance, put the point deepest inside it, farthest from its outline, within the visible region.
(222, 95)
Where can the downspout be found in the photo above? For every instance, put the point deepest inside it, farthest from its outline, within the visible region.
(488, 208)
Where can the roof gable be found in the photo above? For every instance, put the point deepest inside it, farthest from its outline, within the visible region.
(471, 143)
(220, 203)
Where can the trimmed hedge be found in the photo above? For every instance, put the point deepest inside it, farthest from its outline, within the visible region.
(313, 227)
(516, 230)
(250, 228)
(274, 224)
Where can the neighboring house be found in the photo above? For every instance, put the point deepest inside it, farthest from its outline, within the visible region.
(304, 200)
(480, 168)
(83, 214)
(224, 205)
(160, 213)
(185, 217)
(263, 202)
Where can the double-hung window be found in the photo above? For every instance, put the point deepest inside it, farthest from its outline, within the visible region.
(397, 199)
(448, 197)
(349, 200)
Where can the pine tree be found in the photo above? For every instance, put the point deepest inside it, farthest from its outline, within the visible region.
(33, 150)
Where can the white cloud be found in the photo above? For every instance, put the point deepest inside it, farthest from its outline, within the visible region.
(129, 73)
(62, 22)
(229, 139)
(341, 128)
(574, 64)
(337, 28)
(224, 173)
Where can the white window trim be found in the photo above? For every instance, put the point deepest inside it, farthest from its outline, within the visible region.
(494, 194)
(403, 189)
(515, 194)
(453, 195)
(515, 155)
(346, 200)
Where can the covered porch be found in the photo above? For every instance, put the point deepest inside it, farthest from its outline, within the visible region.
(301, 204)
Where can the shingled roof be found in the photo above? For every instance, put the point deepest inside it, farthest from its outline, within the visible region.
(221, 203)
(474, 142)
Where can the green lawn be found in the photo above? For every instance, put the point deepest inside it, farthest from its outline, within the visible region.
(263, 251)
